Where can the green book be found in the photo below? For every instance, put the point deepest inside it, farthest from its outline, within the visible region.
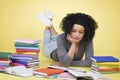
(5, 54)
(26, 45)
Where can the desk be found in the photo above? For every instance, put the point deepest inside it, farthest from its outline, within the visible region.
(44, 62)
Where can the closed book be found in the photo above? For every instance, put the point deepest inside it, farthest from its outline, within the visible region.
(31, 48)
(108, 69)
(17, 64)
(29, 53)
(27, 50)
(24, 62)
(48, 71)
(28, 41)
(5, 54)
(26, 45)
(108, 64)
(4, 60)
(21, 58)
(104, 59)
(23, 55)
(4, 64)
(2, 68)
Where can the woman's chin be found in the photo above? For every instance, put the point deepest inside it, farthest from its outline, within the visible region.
(77, 41)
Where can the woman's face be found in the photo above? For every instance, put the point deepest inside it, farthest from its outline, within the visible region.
(77, 32)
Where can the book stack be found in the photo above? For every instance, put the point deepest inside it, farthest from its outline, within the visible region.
(105, 64)
(4, 60)
(28, 60)
(27, 45)
(27, 51)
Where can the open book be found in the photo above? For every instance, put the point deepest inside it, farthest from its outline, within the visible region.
(20, 71)
(78, 73)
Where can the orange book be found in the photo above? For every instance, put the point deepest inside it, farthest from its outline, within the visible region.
(108, 69)
(48, 71)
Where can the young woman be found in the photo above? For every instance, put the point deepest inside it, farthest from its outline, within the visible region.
(74, 47)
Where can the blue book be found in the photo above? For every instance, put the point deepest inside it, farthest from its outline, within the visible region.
(104, 59)
(24, 62)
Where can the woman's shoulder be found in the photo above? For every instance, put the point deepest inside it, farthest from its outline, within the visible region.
(61, 35)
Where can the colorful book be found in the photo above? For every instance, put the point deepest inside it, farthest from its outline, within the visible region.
(26, 45)
(27, 50)
(104, 59)
(23, 55)
(108, 69)
(5, 54)
(48, 71)
(28, 41)
(108, 64)
(31, 48)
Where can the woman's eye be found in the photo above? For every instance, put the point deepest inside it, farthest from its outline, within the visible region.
(73, 31)
(81, 32)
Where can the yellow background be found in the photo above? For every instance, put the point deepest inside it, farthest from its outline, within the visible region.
(18, 19)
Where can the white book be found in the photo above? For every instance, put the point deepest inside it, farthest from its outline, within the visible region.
(98, 76)
(67, 69)
(93, 75)
(27, 41)
(20, 71)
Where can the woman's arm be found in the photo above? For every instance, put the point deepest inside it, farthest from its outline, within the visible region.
(89, 51)
(65, 56)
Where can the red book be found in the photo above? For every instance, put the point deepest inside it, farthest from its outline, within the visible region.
(48, 71)
(4, 59)
(26, 50)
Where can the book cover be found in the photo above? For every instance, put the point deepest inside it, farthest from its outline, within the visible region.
(23, 55)
(28, 41)
(108, 69)
(104, 59)
(27, 50)
(31, 48)
(5, 54)
(48, 71)
(26, 45)
(108, 64)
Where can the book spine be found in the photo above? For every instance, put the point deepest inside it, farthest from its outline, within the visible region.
(5, 55)
(93, 59)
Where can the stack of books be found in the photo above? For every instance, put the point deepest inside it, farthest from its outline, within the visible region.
(28, 60)
(27, 45)
(105, 64)
(27, 53)
(4, 60)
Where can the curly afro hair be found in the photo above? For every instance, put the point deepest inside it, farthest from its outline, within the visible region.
(82, 19)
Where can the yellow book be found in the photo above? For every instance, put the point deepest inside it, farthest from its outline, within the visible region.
(109, 64)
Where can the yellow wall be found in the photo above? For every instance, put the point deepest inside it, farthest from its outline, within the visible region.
(18, 19)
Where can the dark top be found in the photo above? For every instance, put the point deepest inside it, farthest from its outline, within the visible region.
(60, 54)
